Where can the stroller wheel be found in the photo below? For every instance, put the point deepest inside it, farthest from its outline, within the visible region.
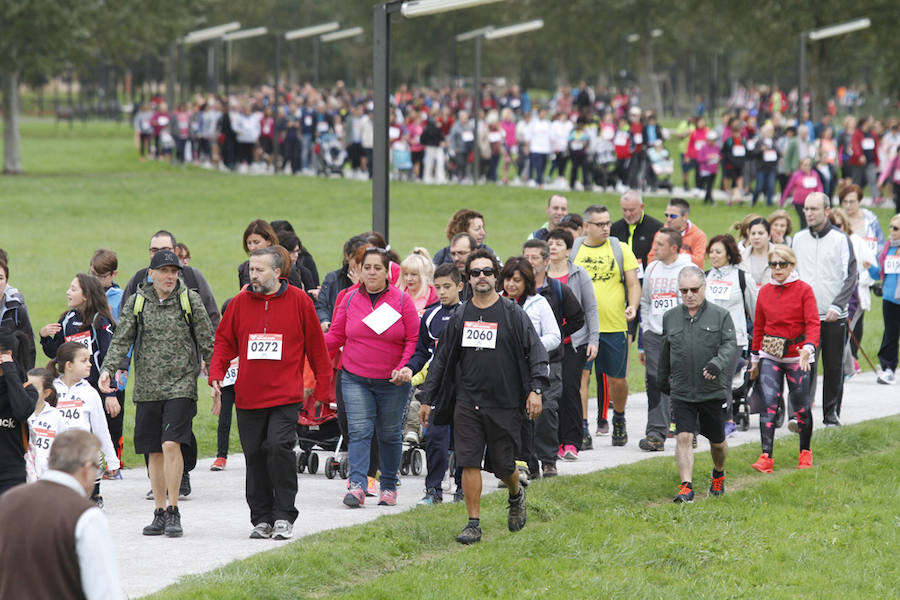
(329, 468)
(344, 468)
(301, 461)
(313, 463)
(743, 422)
(417, 460)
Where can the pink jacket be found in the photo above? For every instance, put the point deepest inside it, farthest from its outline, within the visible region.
(366, 353)
(801, 186)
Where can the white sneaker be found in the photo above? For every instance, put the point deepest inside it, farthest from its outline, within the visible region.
(887, 377)
(262, 531)
(411, 438)
(282, 530)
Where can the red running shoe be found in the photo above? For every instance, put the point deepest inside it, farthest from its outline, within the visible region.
(764, 464)
(805, 461)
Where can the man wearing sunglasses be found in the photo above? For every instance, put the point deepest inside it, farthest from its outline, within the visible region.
(698, 345)
(825, 261)
(693, 239)
(488, 373)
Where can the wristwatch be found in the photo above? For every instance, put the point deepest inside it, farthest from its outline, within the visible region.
(536, 391)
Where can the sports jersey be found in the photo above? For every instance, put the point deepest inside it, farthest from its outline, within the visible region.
(609, 289)
(81, 408)
(42, 430)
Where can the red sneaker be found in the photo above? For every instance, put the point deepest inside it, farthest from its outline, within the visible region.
(764, 464)
(805, 461)
(218, 464)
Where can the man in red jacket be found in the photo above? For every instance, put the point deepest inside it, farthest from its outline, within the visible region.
(273, 328)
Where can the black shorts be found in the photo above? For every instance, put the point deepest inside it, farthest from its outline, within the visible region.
(497, 429)
(165, 421)
(711, 415)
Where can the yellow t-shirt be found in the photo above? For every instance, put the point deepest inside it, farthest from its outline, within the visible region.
(600, 263)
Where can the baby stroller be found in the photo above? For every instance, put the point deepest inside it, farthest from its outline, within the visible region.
(318, 429)
(331, 155)
(413, 457)
(401, 157)
(740, 394)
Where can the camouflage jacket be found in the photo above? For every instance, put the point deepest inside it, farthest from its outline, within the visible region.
(165, 366)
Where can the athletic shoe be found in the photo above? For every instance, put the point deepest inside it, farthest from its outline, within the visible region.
(764, 464)
(717, 486)
(805, 460)
(571, 452)
(793, 427)
(685, 494)
(886, 377)
(355, 496)
(561, 452)
(219, 464)
(730, 428)
(173, 522)
(117, 474)
(549, 470)
(185, 489)
(694, 442)
(458, 496)
(516, 519)
(856, 369)
(372, 487)
(387, 498)
(98, 500)
(430, 498)
(835, 422)
(149, 495)
(651, 444)
(283, 530)
(619, 434)
(411, 438)
(469, 535)
(262, 531)
(158, 526)
(603, 427)
(587, 442)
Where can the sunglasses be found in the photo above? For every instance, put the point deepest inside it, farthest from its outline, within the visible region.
(376, 251)
(487, 272)
(672, 215)
(780, 264)
(692, 290)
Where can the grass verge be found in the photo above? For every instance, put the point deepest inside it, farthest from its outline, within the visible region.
(823, 533)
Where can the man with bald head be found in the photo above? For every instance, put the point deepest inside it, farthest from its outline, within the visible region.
(636, 228)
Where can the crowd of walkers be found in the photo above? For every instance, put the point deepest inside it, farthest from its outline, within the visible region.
(582, 138)
(509, 380)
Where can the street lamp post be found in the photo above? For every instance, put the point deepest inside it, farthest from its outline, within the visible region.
(821, 34)
(332, 37)
(314, 32)
(228, 38)
(212, 62)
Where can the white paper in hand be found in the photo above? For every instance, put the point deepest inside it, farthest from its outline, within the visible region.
(381, 318)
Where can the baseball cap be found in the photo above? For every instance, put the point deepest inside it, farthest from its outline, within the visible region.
(165, 258)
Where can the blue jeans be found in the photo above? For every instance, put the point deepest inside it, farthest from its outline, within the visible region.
(765, 180)
(374, 405)
(538, 165)
(306, 150)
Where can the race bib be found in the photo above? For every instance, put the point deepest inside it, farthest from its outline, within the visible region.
(494, 137)
(663, 301)
(868, 144)
(478, 334)
(71, 409)
(163, 121)
(83, 338)
(576, 145)
(621, 139)
(872, 244)
(264, 346)
(719, 290)
(897, 175)
(892, 264)
(394, 132)
(322, 126)
(468, 136)
(231, 373)
(608, 134)
(751, 145)
(832, 155)
(770, 156)
(381, 318)
(638, 138)
(713, 159)
(738, 151)
(698, 146)
(307, 121)
(809, 182)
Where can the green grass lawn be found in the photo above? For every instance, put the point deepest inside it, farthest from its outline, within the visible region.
(823, 533)
(84, 189)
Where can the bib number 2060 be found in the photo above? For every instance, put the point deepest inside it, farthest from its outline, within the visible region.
(478, 334)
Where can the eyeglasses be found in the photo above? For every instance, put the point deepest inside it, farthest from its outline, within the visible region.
(600, 224)
(155, 250)
(672, 215)
(779, 264)
(487, 272)
(100, 275)
(692, 290)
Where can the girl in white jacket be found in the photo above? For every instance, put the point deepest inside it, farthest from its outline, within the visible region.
(80, 405)
(43, 426)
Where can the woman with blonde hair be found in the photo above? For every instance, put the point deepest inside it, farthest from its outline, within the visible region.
(417, 274)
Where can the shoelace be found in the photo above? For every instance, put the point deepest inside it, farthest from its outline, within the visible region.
(684, 490)
(718, 483)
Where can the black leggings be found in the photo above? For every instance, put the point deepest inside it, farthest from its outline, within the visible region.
(772, 375)
(223, 432)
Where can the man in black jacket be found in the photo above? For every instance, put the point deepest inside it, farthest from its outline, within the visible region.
(490, 368)
(636, 228)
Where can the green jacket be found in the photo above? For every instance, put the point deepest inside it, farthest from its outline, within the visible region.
(689, 343)
(165, 365)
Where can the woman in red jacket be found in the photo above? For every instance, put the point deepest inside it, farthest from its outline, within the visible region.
(378, 327)
(785, 337)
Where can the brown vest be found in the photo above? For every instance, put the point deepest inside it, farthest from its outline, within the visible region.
(37, 541)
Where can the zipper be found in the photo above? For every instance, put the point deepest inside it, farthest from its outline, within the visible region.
(266, 321)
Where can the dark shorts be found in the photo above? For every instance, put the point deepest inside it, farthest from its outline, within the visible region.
(711, 415)
(165, 421)
(497, 429)
(612, 354)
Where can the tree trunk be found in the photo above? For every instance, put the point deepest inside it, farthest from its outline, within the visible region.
(12, 160)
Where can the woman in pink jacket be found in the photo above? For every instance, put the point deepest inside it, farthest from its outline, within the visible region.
(802, 183)
(378, 327)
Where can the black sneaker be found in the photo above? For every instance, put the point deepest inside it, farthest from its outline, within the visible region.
(685, 494)
(469, 535)
(694, 442)
(458, 495)
(587, 442)
(619, 434)
(98, 500)
(717, 485)
(158, 526)
(185, 490)
(549, 470)
(516, 519)
(651, 444)
(173, 522)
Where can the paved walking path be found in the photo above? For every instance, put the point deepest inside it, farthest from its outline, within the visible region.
(216, 518)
